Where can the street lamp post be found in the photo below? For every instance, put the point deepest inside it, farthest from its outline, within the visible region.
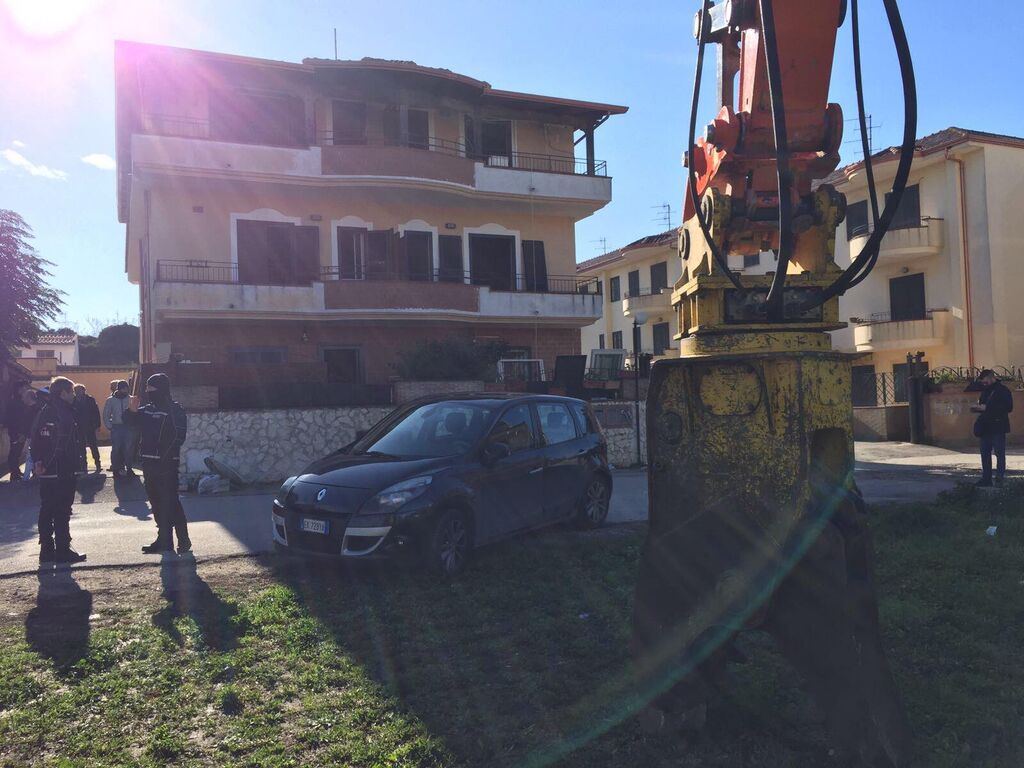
(639, 319)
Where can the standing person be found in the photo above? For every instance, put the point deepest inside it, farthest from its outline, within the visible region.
(993, 424)
(55, 453)
(34, 402)
(15, 422)
(162, 424)
(122, 435)
(87, 415)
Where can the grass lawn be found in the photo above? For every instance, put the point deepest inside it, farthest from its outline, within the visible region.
(524, 662)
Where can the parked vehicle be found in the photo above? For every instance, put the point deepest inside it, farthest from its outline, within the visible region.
(438, 478)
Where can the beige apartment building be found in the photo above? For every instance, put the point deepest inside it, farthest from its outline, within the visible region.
(636, 281)
(950, 273)
(325, 215)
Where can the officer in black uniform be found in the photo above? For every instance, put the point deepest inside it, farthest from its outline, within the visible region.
(55, 454)
(161, 424)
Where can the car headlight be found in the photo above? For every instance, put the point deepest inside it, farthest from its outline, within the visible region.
(392, 499)
(286, 486)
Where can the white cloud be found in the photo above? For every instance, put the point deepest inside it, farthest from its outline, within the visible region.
(18, 160)
(99, 160)
(19, 144)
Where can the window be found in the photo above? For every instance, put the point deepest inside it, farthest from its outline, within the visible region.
(515, 429)
(614, 289)
(343, 365)
(617, 340)
(634, 283)
(535, 268)
(584, 419)
(46, 353)
(865, 391)
(434, 430)
(496, 142)
(749, 262)
(659, 276)
(417, 133)
(418, 263)
(377, 261)
(662, 338)
(857, 219)
(492, 261)
(277, 253)
(908, 215)
(600, 341)
(906, 298)
(451, 259)
(258, 355)
(349, 122)
(556, 423)
(351, 253)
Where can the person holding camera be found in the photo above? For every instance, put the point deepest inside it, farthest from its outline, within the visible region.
(992, 425)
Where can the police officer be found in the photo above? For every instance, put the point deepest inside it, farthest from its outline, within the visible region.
(161, 424)
(55, 455)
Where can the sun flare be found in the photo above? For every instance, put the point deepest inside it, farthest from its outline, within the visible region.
(47, 18)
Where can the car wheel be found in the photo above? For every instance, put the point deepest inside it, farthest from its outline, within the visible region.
(450, 545)
(593, 508)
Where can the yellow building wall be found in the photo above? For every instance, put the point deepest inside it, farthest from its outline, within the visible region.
(179, 233)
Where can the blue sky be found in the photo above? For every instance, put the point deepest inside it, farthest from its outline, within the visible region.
(57, 99)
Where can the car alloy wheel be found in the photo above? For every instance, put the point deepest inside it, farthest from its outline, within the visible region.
(452, 544)
(594, 506)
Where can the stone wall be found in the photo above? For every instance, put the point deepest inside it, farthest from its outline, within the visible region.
(949, 422)
(617, 421)
(267, 446)
(882, 423)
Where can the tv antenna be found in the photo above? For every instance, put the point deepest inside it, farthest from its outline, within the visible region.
(335, 43)
(603, 241)
(871, 136)
(665, 215)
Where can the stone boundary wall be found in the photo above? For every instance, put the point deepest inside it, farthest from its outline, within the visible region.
(881, 423)
(948, 420)
(267, 446)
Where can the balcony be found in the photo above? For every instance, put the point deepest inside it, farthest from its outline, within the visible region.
(905, 243)
(649, 302)
(191, 289)
(882, 333)
(185, 144)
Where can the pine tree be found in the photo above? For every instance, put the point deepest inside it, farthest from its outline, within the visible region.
(27, 302)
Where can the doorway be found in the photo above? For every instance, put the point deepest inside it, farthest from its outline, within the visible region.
(492, 261)
(343, 365)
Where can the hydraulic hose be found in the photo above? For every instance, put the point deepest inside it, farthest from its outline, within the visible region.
(865, 261)
(716, 252)
(858, 77)
(774, 304)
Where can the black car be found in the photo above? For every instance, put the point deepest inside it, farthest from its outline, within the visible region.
(437, 478)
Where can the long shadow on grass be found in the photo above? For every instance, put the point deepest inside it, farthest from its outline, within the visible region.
(58, 627)
(518, 662)
(187, 594)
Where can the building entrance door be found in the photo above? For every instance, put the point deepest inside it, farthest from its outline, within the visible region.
(492, 261)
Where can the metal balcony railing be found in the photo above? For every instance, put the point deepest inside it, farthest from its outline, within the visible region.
(196, 271)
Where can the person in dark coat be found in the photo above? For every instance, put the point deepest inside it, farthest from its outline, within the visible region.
(14, 420)
(993, 424)
(87, 416)
(55, 457)
(161, 424)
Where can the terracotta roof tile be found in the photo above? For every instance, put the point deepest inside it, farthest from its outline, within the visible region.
(663, 238)
(57, 338)
(933, 142)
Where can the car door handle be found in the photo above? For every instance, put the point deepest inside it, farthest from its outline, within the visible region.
(536, 471)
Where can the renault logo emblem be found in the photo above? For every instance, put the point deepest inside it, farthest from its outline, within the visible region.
(320, 496)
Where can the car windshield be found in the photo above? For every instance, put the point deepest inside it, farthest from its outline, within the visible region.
(432, 431)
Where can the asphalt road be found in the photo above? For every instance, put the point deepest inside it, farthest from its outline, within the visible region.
(112, 520)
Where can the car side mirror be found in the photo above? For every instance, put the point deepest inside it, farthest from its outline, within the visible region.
(494, 452)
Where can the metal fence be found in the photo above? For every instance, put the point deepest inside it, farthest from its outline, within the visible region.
(878, 389)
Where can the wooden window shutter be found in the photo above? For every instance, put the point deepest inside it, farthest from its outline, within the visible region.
(535, 268)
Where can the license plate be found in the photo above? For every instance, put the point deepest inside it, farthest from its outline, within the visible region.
(314, 526)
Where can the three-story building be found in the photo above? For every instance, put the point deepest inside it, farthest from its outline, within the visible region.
(330, 214)
(949, 273)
